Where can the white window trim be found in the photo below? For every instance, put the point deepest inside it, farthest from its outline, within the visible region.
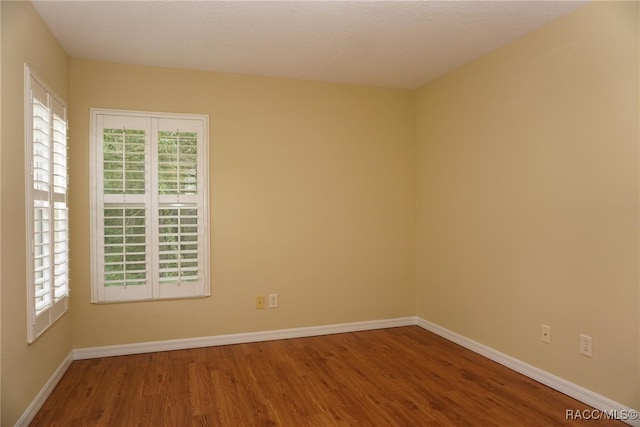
(38, 323)
(152, 291)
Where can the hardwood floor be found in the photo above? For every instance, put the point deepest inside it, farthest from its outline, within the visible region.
(390, 377)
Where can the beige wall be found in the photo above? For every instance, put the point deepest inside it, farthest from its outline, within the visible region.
(528, 199)
(311, 193)
(25, 368)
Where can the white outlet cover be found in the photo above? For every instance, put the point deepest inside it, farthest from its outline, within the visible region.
(586, 345)
(273, 300)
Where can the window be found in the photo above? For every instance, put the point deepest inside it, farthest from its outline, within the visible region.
(46, 206)
(149, 205)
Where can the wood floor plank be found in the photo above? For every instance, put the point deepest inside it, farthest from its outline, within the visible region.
(390, 377)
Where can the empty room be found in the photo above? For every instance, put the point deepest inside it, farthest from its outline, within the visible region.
(374, 213)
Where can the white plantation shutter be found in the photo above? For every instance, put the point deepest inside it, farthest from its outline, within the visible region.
(150, 206)
(41, 165)
(178, 244)
(180, 206)
(47, 213)
(124, 245)
(41, 257)
(60, 218)
(123, 173)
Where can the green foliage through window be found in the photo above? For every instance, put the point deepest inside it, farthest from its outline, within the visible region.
(124, 246)
(124, 161)
(177, 162)
(178, 237)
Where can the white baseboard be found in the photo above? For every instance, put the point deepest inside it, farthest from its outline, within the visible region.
(42, 396)
(570, 389)
(181, 344)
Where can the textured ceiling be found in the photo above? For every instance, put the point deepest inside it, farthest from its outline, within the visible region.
(400, 44)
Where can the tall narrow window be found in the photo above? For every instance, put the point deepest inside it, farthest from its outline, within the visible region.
(149, 205)
(46, 198)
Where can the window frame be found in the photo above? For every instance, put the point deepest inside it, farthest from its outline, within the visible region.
(39, 320)
(151, 290)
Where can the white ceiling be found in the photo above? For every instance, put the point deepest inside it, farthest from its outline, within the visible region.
(400, 44)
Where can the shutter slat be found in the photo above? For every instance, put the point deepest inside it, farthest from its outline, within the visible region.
(177, 162)
(177, 247)
(125, 243)
(124, 161)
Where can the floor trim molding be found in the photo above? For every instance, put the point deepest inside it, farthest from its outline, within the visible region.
(44, 393)
(563, 386)
(216, 340)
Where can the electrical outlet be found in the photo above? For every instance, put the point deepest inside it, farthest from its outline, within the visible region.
(586, 345)
(546, 334)
(260, 301)
(273, 300)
